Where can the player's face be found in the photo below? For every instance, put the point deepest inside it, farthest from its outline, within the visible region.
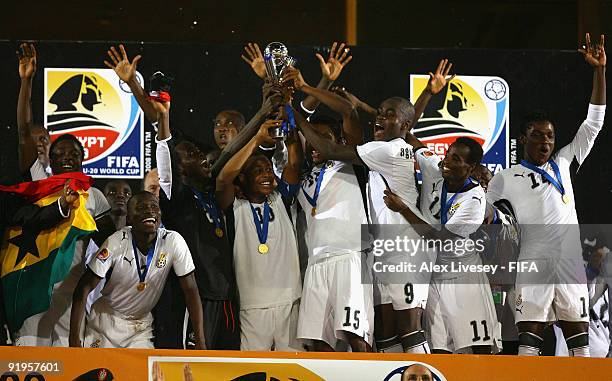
(539, 142)
(66, 157)
(388, 123)
(455, 166)
(151, 182)
(117, 194)
(144, 213)
(326, 133)
(40, 136)
(417, 373)
(191, 162)
(259, 177)
(226, 127)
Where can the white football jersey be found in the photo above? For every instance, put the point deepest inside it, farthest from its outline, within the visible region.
(537, 202)
(465, 215)
(393, 160)
(117, 255)
(336, 226)
(273, 278)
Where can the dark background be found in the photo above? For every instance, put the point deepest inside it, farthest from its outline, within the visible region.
(531, 44)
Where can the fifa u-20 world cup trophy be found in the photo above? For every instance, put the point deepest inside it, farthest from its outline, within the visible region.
(277, 59)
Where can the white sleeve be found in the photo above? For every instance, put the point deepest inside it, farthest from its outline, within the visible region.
(585, 137)
(378, 156)
(37, 171)
(100, 203)
(428, 163)
(103, 260)
(468, 217)
(182, 263)
(164, 166)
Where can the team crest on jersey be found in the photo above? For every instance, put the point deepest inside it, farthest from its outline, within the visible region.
(103, 255)
(453, 209)
(519, 300)
(95, 343)
(329, 164)
(161, 261)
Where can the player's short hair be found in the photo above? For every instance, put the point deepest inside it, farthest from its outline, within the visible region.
(39, 127)
(70, 138)
(532, 118)
(406, 108)
(334, 124)
(138, 195)
(179, 137)
(475, 155)
(238, 116)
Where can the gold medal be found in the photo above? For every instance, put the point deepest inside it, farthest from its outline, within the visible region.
(313, 212)
(219, 232)
(141, 286)
(263, 248)
(565, 198)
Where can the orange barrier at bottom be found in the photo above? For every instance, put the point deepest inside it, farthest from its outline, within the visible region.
(39, 363)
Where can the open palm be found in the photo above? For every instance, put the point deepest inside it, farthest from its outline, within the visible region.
(338, 58)
(125, 69)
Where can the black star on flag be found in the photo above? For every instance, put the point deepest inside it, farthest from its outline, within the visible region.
(26, 242)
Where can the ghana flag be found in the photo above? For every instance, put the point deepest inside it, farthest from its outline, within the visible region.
(33, 260)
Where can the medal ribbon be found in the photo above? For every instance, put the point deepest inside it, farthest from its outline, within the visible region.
(557, 183)
(313, 200)
(210, 205)
(262, 226)
(290, 123)
(150, 251)
(445, 206)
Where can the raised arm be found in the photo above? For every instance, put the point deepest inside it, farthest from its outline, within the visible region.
(126, 71)
(27, 68)
(595, 55)
(437, 82)
(356, 102)
(295, 157)
(330, 71)
(329, 149)
(225, 190)
(270, 104)
(351, 127)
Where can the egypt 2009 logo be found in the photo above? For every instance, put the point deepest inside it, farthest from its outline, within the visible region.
(94, 106)
(473, 106)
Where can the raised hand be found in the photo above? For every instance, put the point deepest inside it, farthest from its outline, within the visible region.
(594, 54)
(337, 60)
(439, 79)
(27, 60)
(125, 69)
(255, 59)
(160, 107)
(291, 74)
(69, 197)
(263, 135)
